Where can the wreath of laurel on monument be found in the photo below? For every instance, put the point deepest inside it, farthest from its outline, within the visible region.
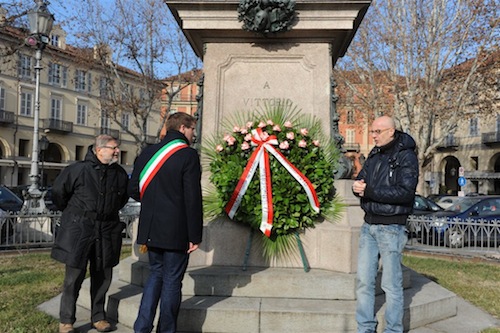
(272, 170)
(266, 16)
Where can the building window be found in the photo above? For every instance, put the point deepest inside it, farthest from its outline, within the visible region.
(26, 103)
(79, 153)
(350, 117)
(104, 119)
(474, 162)
(56, 108)
(23, 147)
(81, 83)
(81, 114)
(24, 69)
(58, 75)
(105, 87)
(2, 99)
(350, 136)
(123, 157)
(54, 40)
(126, 120)
(498, 123)
(473, 127)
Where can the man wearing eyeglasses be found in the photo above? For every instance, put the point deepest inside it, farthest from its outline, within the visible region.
(90, 193)
(167, 181)
(386, 186)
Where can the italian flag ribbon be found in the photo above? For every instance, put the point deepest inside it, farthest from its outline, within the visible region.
(156, 162)
(260, 158)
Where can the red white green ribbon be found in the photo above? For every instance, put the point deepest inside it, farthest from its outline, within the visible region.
(156, 162)
(260, 157)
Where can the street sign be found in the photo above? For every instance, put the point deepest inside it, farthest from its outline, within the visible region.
(461, 181)
(461, 171)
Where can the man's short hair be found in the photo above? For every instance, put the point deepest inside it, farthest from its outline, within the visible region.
(103, 139)
(175, 120)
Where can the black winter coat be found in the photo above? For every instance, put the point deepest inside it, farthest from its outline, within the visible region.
(171, 207)
(90, 194)
(391, 176)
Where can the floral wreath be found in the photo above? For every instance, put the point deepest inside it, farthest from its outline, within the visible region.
(294, 184)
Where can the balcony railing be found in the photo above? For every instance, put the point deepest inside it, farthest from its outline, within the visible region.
(449, 143)
(490, 138)
(6, 117)
(58, 125)
(103, 130)
(351, 146)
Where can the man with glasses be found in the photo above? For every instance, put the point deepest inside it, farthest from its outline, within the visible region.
(167, 181)
(386, 186)
(90, 193)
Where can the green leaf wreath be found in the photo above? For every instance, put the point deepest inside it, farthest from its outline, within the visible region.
(303, 144)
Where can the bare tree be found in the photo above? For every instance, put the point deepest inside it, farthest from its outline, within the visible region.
(137, 41)
(412, 49)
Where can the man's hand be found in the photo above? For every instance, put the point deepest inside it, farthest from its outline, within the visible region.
(192, 247)
(359, 187)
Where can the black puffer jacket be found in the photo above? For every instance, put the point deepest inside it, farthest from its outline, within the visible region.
(391, 176)
(90, 194)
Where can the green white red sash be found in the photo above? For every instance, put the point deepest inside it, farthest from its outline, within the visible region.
(260, 157)
(156, 162)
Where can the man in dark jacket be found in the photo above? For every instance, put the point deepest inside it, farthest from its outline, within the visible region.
(166, 179)
(90, 193)
(386, 186)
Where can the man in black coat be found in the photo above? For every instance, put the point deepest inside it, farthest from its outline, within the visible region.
(90, 193)
(386, 186)
(167, 181)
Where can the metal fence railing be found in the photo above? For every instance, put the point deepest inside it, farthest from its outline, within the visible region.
(19, 230)
(471, 233)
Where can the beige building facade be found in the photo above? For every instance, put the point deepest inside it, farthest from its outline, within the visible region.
(71, 116)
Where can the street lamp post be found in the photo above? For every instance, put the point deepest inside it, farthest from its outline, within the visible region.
(44, 145)
(40, 20)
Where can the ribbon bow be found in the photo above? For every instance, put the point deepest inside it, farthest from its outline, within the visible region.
(260, 157)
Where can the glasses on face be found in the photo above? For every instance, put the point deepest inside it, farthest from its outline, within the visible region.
(110, 147)
(378, 131)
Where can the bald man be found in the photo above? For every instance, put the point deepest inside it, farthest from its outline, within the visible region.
(386, 186)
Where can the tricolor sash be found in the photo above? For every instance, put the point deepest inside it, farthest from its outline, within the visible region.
(156, 162)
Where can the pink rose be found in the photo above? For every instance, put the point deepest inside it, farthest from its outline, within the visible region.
(231, 140)
(244, 131)
(276, 128)
(264, 136)
(302, 143)
(284, 145)
(290, 135)
(226, 137)
(262, 124)
(316, 143)
(270, 122)
(236, 129)
(245, 146)
(249, 124)
(219, 148)
(304, 131)
(288, 124)
(248, 137)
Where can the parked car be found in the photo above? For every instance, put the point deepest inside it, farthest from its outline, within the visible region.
(9, 202)
(423, 206)
(447, 201)
(469, 221)
(128, 214)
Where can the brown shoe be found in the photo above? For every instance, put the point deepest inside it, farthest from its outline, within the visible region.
(102, 326)
(66, 328)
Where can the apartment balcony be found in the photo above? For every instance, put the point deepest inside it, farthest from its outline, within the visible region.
(490, 138)
(112, 132)
(57, 125)
(151, 139)
(351, 147)
(6, 117)
(449, 144)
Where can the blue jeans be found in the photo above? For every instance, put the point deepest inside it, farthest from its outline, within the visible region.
(388, 241)
(167, 270)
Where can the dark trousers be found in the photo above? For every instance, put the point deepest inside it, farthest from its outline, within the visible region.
(167, 270)
(100, 280)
